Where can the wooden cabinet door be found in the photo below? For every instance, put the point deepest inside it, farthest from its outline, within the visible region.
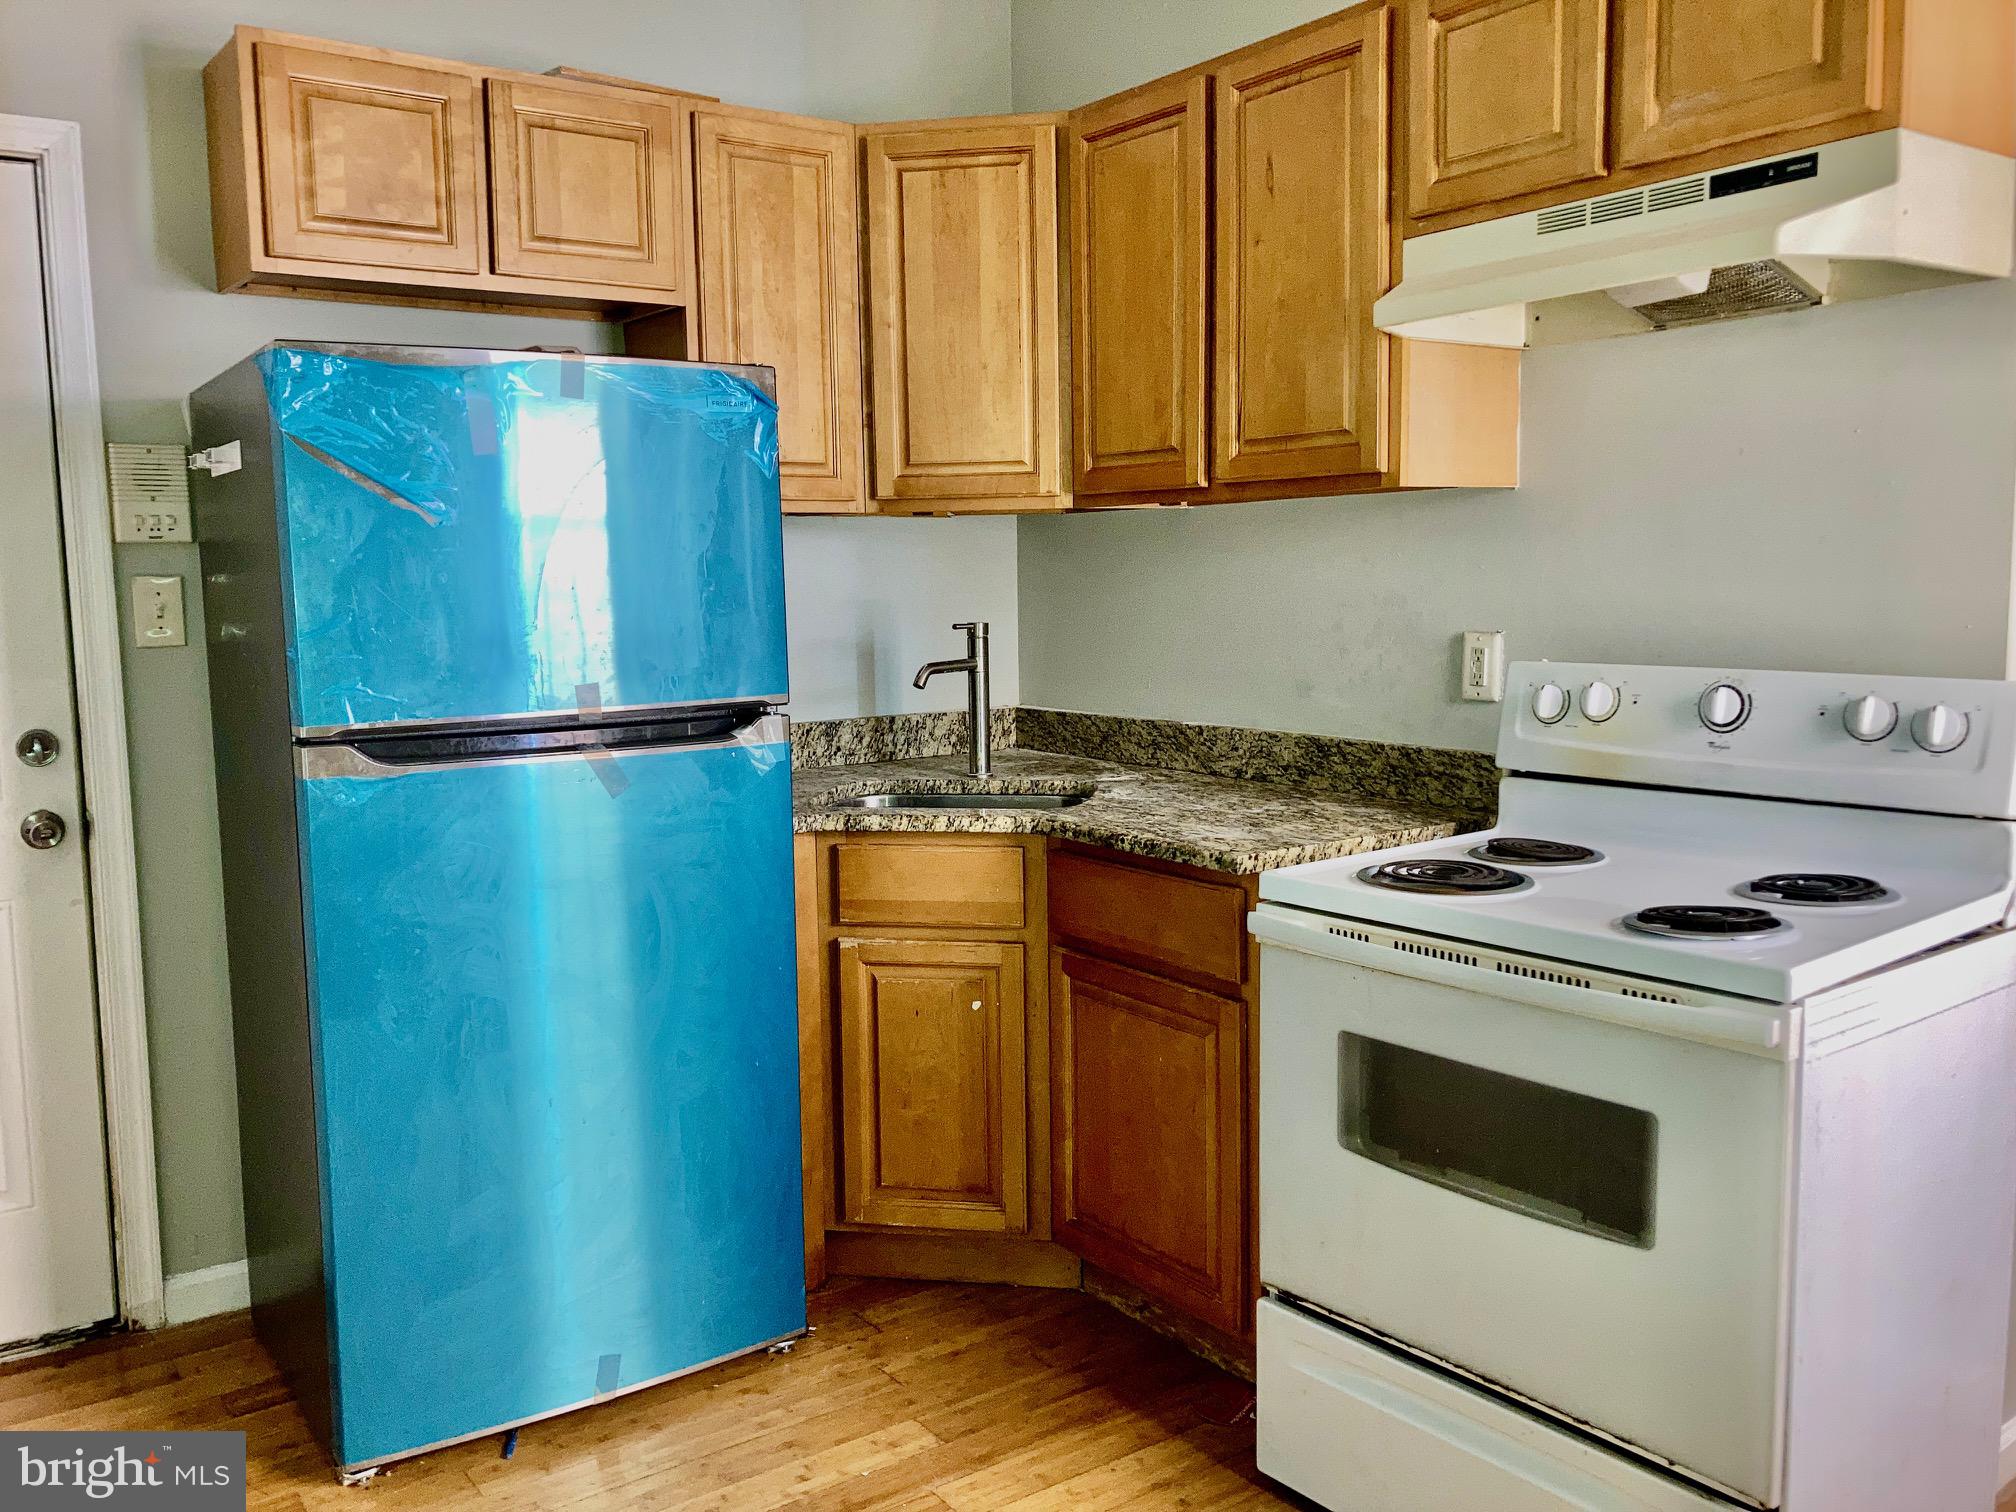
(1697, 75)
(780, 275)
(933, 1085)
(369, 161)
(1503, 98)
(1303, 253)
(1148, 1151)
(963, 310)
(1139, 282)
(591, 185)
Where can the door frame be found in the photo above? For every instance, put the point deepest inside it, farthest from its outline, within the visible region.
(55, 149)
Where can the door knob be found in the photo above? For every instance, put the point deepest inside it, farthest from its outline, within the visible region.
(44, 830)
(37, 748)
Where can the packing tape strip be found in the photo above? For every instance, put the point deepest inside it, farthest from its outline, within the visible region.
(608, 1374)
(601, 760)
(482, 422)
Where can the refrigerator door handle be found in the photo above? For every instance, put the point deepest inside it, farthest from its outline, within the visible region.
(315, 762)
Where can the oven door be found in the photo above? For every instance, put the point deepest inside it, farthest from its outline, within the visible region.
(1576, 1194)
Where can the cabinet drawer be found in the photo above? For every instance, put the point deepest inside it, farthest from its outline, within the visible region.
(1177, 925)
(931, 882)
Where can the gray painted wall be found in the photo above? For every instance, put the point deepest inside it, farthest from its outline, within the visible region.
(865, 599)
(1830, 490)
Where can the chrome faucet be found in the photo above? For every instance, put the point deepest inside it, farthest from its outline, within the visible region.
(979, 737)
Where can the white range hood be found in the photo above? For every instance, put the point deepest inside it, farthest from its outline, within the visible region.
(1876, 214)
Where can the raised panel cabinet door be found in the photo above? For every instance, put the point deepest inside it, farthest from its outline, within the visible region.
(1697, 75)
(1503, 98)
(1148, 1117)
(963, 311)
(934, 1090)
(364, 161)
(590, 185)
(1304, 249)
(780, 275)
(1140, 278)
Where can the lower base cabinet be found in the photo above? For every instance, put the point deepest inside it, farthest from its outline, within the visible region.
(983, 1104)
(1148, 1089)
(933, 1085)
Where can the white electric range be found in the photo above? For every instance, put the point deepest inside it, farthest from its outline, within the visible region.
(1655, 1149)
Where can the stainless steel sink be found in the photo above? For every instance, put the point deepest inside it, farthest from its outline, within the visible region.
(960, 801)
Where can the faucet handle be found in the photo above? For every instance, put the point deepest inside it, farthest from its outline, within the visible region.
(975, 627)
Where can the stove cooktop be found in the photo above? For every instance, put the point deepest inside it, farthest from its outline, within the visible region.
(1765, 898)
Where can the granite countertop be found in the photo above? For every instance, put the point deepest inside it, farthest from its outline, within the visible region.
(1226, 824)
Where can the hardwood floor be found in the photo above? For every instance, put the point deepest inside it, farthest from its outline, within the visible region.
(909, 1396)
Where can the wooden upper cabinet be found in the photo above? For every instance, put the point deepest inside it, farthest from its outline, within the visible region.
(779, 284)
(933, 1085)
(1148, 1142)
(1140, 281)
(963, 309)
(1504, 98)
(1698, 75)
(1304, 246)
(590, 184)
(368, 161)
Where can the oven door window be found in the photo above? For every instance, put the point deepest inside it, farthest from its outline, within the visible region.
(1561, 1157)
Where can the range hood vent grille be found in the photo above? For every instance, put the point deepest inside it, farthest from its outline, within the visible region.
(1756, 288)
(1616, 207)
(1564, 218)
(1676, 195)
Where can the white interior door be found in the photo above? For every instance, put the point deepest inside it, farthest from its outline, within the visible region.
(55, 1209)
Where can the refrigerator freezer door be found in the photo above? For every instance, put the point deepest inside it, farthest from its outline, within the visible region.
(553, 1004)
(490, 536)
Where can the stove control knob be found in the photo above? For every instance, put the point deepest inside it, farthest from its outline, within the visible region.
(1724, 707)
(1599, 701)
(1869, 718)
(1939, 729)
(1550, 703)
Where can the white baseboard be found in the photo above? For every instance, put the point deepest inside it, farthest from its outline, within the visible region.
(228, 1288)
(2008, 1453)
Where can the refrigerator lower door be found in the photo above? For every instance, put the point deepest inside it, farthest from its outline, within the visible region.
(553, 1008)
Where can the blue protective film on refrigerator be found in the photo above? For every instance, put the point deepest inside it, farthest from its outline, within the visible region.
(556, 1039)
(480, 539)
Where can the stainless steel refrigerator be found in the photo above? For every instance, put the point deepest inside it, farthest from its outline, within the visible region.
(496, 648)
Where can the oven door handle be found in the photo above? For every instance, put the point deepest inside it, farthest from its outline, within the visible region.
(1763, 1030)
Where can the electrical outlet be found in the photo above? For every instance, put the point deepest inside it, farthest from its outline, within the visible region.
(1484, 666)
(157, 613)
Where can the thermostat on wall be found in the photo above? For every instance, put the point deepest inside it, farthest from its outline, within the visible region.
(150, 492)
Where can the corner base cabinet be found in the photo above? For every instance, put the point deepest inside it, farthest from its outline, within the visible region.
(1017, 1056)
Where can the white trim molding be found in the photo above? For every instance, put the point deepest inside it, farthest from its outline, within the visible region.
(2008, 1453)
(205, 1293)
(55, 148)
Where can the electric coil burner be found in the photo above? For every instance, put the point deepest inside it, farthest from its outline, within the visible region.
(1442, 874)
(1816, 889)
(1524, 852)
(1703, 921)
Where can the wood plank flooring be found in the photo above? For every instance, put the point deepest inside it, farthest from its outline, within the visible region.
(910, 1397)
